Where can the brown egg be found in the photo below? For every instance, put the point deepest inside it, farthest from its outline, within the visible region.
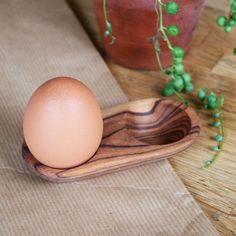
(63, 123)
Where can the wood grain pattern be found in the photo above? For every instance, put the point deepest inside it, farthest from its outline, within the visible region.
(134, 133)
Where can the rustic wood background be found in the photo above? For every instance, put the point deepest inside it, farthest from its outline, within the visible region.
(212, 65)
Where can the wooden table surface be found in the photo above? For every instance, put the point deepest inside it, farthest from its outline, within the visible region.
(212, 65)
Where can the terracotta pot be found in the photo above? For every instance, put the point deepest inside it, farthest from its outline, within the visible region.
(134, 22)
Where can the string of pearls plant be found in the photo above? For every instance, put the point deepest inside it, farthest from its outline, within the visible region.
(228, 22)
(108, 31)
(178, 80)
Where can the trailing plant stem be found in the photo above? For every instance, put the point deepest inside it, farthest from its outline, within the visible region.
(162, 28)
(105, 10)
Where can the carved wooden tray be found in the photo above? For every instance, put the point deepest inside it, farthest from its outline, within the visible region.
(134, 133)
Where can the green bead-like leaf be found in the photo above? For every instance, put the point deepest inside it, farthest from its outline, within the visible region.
(107, 33)
(188, 87)
(216, 123)
(216, 148)
(178, 84)
(201, 95)
(178, 52)
(172, 7)
(167, 91)
(233, 6)
(177, 60)
(218, 138)
(173, 30)
(221, 21)
(216, 114)
(212, 98)
(208, 163)
(228, 28)
(212, 105)
(109, 26)
(179, 69)
(231, 22)
(186, 78)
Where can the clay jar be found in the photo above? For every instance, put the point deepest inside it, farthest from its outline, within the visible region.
(135, 22)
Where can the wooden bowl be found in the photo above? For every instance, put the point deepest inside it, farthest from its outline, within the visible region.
(134, 133)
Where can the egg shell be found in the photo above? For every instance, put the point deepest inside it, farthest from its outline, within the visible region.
(62, 123)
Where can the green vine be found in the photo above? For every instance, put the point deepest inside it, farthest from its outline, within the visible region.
(182, 82)
(228, 22)
(178, 80)
(108, 31)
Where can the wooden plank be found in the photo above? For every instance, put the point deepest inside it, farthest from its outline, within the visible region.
(212, 65)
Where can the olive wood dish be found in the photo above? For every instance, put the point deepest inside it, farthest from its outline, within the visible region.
(134, 133)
